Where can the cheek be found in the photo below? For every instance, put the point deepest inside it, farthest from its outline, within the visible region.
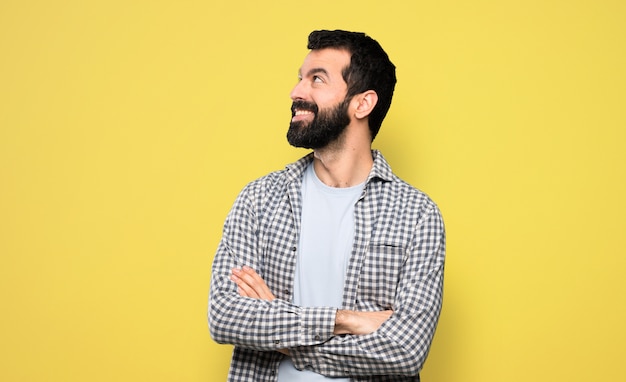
(328, 101)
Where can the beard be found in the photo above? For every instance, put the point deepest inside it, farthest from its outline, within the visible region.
(326, 126)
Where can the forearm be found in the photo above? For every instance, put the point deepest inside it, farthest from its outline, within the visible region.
(359, 323)
(256, 323)
(398, 347)
(265, 325)
(346, 356)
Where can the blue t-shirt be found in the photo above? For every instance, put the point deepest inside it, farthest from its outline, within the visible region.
(327, 232)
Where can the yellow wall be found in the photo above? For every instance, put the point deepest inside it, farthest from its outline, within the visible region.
(128, 127)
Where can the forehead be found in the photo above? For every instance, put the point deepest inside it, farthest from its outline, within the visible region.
(331, 60)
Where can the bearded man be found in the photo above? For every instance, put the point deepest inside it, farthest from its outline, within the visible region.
(333, 267)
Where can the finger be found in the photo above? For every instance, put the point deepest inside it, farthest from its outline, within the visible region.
(251, 284)
(257, 283)
(253, 280)
(251, 276)
(243, 288)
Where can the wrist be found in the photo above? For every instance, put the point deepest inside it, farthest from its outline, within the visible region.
(341, 322)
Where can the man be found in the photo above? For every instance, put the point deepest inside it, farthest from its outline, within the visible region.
(332, 267)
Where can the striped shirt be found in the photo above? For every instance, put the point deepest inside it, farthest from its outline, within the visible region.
(397, 263)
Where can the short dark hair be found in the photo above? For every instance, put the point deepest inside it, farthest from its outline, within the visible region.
(369, 69)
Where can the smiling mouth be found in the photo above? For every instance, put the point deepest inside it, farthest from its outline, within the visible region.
(302, 112)
(302, 115)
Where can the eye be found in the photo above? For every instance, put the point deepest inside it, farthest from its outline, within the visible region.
(318, 79)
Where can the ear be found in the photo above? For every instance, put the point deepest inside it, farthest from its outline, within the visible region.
(365, 104)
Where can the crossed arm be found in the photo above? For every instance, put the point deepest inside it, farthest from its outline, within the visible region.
(250, 284)
(243, 310)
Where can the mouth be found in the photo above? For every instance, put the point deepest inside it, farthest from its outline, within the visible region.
(301, 115)
(301, 112)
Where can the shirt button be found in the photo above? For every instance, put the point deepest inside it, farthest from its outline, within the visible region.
(287, 292)
(276, 342)
(294, 248)
(317, 338)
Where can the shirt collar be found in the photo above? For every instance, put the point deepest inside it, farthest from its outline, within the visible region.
(380, 170)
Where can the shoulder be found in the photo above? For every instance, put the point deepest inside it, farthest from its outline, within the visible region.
(411, 197)
(276, 182)
(398, 194)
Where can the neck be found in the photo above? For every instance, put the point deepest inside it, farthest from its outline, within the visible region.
(343, 167)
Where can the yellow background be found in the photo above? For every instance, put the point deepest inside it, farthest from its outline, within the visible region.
(128, 127)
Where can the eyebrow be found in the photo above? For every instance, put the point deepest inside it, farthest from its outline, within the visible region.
(315, 71)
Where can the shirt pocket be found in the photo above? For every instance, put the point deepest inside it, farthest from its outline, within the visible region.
(380, 275)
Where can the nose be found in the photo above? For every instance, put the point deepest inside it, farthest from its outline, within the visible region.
(297, 93)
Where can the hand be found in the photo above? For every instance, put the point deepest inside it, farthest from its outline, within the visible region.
(354, 322)
(250, 284)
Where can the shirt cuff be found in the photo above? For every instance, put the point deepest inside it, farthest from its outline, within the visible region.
(318, 325)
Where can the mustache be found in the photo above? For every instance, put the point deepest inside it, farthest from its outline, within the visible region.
(303, 105)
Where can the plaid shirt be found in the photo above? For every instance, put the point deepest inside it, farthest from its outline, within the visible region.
(397, 263)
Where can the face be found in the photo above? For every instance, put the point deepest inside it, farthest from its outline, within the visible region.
(319, 110)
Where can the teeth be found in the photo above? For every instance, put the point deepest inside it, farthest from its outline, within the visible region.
(303, 112)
